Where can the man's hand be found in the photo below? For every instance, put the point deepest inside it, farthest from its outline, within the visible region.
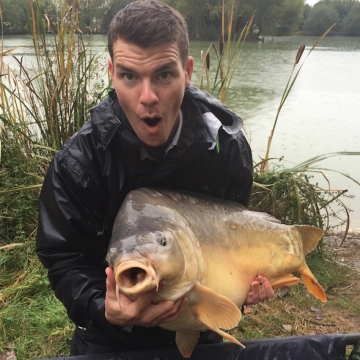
(122, 311)
(260, 290)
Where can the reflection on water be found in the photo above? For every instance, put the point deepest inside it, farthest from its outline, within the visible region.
(321, 115)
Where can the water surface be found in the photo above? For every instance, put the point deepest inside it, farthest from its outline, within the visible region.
(321, 115)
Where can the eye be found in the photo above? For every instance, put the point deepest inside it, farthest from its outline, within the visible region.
(128, 76)
(164, 75)
(161, 239)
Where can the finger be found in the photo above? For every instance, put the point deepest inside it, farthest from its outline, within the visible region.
(268, 288)
(110, 277)
(261, 291)
(256, 289)
(250, 298)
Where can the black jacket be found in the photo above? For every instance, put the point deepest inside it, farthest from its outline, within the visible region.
(90, 176)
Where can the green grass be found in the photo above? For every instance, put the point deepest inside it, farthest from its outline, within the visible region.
(31, 318)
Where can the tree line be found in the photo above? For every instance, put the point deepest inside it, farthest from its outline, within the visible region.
(272, 17)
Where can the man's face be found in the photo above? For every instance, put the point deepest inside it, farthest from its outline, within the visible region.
(150, 85)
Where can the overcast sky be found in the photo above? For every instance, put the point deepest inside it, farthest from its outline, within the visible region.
(311, 2)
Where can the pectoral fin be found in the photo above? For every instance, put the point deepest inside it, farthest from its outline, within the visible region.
(214, 310)
(186, 342)
(312, 284)
(284, 280)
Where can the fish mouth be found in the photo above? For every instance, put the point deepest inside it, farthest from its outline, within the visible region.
(135, 277)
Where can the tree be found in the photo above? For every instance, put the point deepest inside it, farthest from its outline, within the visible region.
(307, 11)
(290, 17)
(14, 16)
(273, 16)
(113, 7)
(203, 17)
(351, 23)
(92, 13)
(322, 16)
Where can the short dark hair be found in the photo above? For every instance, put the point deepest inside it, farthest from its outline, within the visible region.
(147, 23)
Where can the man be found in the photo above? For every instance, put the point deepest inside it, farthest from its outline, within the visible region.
(153, 130)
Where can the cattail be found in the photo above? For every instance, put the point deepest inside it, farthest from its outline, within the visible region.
(221, 44)
(237, 24)
(208, 60)
(299, 53)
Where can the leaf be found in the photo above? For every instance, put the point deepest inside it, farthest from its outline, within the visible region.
(287, 327)
(318, 312)
(290, 309)
(282, 293)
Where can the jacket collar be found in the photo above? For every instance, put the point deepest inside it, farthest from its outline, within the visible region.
(107, 118)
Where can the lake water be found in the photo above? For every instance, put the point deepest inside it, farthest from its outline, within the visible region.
(320, 116)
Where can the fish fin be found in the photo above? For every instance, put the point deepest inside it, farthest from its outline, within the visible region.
(310, 236)
(186, 342)
(312, 284)
(213, 309)
(284, 280)
(227, 336)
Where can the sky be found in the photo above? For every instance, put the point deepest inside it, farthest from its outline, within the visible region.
(311, 2)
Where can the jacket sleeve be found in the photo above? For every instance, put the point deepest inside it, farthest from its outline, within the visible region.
(71, 240)
(236, 160)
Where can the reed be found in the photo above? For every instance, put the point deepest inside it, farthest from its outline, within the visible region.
(41, 105)
(291, 81)
(289, 194)
(227, 54)
(50, 100)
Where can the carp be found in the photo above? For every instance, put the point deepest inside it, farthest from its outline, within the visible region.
(208, 250)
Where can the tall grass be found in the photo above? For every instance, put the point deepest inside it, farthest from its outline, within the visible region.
(227, 54)
(51, 101)
(41, 106)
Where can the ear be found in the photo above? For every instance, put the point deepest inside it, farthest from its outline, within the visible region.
(111, 69)
(189, 70)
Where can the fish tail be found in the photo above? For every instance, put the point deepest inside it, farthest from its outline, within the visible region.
(312, 284)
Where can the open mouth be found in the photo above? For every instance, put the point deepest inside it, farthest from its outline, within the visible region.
(135, 277)
(152, 122)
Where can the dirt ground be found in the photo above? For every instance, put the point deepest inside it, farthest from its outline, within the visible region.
(346, 252)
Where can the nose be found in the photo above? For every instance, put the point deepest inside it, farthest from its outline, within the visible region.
(148, 96)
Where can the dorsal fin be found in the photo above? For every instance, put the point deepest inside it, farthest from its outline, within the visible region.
(310, 236)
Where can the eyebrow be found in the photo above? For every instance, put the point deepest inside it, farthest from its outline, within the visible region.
(167, 66)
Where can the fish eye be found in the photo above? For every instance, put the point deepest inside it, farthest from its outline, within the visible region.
(161, 239)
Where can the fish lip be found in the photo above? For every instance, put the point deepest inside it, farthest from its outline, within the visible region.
(135, 276)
